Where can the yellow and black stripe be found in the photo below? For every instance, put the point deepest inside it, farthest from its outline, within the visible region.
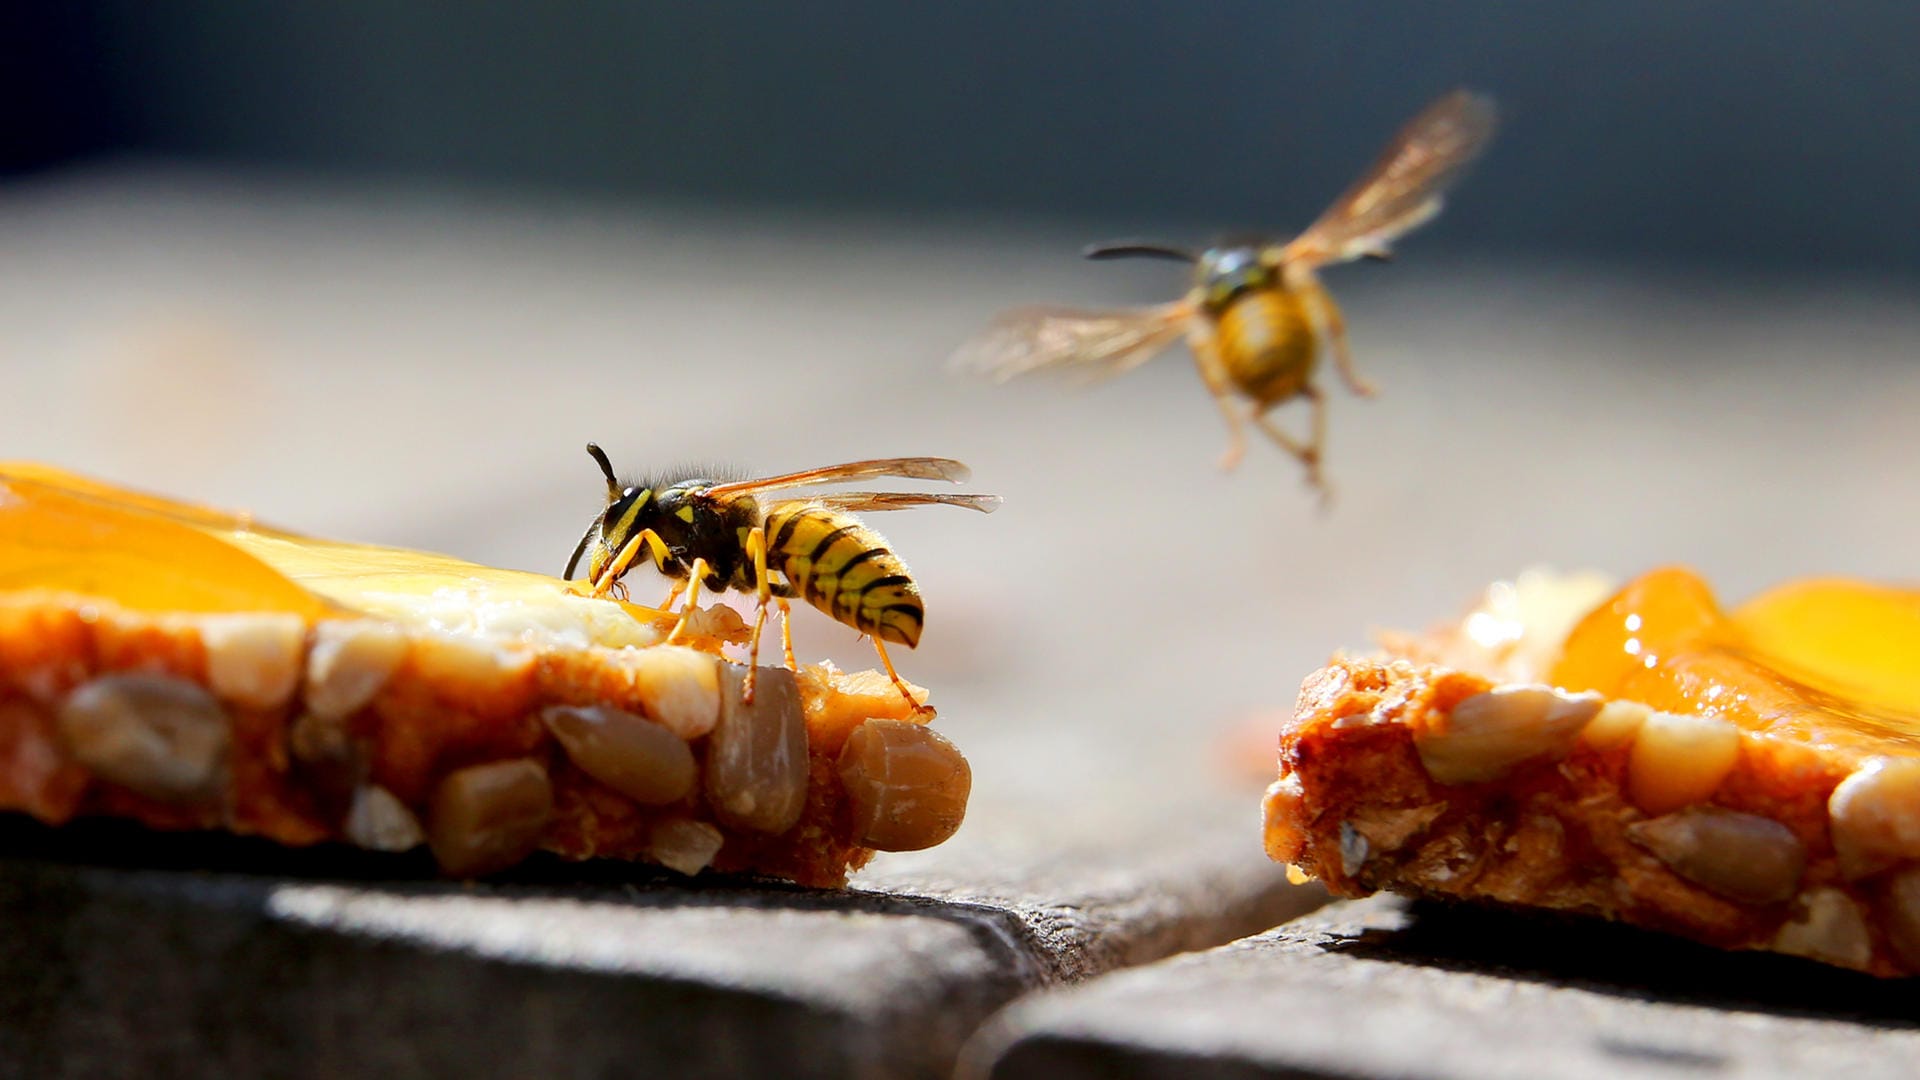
(1267, 343)
(846, 570)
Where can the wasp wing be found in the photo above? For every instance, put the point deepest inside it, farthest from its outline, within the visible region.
(1404, 188)
(1095, 343)
(859, 502)
(912, 468)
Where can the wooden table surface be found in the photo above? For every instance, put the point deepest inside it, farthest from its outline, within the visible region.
(420, 369)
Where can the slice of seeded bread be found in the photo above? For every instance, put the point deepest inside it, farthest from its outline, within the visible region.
(270, 684)
(1461, 779)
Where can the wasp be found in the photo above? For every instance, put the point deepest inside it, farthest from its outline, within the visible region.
(702, 533)
(1255, 315)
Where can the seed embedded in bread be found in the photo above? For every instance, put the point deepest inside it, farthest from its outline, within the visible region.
(1875, 815)
(1740, 856)
(1902, 906)
(1678, 760)
(680, 688)
(1829, 927)
(1489, 734)
(489, 817)
(625, 751)
(161, 736)
(907, 784)
(378, 821)
(756, 770)
(254, 660)
(350, 661)
(685, 846)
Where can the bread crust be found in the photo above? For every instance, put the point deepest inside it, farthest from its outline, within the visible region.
(1356, 806)
(448, 703)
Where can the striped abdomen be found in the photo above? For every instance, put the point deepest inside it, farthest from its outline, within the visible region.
(845, 569)
(1267, 344)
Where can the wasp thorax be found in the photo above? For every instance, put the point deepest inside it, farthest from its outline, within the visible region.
(1225, 273)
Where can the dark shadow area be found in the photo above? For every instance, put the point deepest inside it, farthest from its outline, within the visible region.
(1608, 958)
(54, 81)
(133, 953)
(118, 845)
(207, 857)
(1770, 134)
(1044, 1057)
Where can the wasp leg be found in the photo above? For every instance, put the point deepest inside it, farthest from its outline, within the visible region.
(1310, 452)
(899, 683)
(786, 632)
(762, 592)
(610, 576)
(1212, 372)
(699, 574)
(1327, 313)
(753, 655)
(672, 595)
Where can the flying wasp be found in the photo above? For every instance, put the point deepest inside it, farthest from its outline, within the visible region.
(1256, 315)
(702, 533)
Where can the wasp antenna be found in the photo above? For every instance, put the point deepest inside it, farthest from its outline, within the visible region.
(1382, 255)
(1130, 249)
(580, 548)
(606, 470)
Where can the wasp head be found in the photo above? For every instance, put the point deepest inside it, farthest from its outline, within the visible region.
(630, 508)
(1224, 273)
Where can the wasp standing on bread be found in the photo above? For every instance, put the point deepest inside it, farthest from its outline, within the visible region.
(707, 534)
(1255, 315)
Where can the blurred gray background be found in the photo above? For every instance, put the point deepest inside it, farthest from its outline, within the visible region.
(1767, 133)
(377, 270)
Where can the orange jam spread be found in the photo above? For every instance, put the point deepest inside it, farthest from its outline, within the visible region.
(1823, 660)
(69, 535)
